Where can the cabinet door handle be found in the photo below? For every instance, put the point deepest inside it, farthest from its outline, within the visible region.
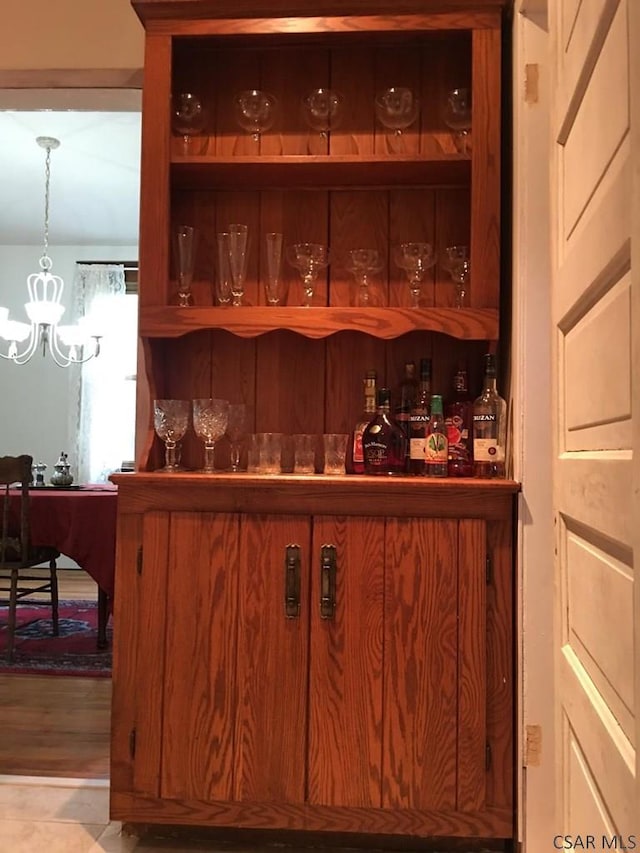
(328, 568)
(292, 581)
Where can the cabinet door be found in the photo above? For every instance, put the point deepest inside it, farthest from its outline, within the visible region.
(272, 663)
(199, 657)
(345, 724)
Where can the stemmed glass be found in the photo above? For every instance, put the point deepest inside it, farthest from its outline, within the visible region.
(322, 109)
(170, 421)
(273, 284)
(457, 116)
(255, 111)
(235, 242)
(362, 263)
(415, 259)
(184, 238)
(209, 422)
(456, 262)
(236, 431)
(309, 259)
(397, 108)
(188, 118)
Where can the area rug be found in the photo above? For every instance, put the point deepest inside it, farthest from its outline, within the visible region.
(74, 652)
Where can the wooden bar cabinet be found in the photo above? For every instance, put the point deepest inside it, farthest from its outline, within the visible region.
(315, 654)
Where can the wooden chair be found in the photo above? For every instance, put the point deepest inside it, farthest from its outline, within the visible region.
(17, 555)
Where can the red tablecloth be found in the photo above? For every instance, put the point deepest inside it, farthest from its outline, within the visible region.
(81, 524)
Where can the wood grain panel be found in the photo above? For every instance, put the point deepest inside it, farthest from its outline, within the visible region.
(153, 253)
(199, 679)
(472, 665)
(233, 377)
(485, 168)
(345, 726)
(349, 356)
(411, 219)
(358, 220)
(500, 690)
(352, 76)
(125, 655)
(148, 589)
(420, 663)
(272, 662)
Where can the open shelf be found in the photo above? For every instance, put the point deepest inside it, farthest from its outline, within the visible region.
(384, 323)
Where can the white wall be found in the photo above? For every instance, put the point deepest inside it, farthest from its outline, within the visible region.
(34, 397)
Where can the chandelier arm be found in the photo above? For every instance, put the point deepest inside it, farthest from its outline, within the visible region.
(29, 351)
(63, 359)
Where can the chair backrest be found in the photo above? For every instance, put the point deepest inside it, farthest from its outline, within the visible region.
(15, 543)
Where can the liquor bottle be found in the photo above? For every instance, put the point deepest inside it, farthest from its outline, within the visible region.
(418, 420)
(436, 444)
(407, 395)
(355, 460)
(459, 419)
(384, 441)
(489, 426)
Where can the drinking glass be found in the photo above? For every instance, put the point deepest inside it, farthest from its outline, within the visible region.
(187, 119)
(335, 449)
(397, 108)
(362, 263)
(273, 285)
(322, 110)
(304, 448)
(170, 421)
(236, 431)
(184, 239)
(457, 116)
(255, 111)
(238, 246)
(209, 422)
(224, 279)
(415, 259)
(309, 259)
(456, 262)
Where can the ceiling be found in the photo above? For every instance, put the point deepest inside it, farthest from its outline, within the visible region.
(95, 174)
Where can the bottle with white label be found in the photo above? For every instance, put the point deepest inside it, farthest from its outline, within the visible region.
(489, 426)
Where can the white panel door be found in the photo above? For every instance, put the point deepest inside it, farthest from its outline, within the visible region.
(596, 507)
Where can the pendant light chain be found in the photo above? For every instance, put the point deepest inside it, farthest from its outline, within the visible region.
(45, 260)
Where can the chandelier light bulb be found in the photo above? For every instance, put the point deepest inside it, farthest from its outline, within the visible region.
(44, 307)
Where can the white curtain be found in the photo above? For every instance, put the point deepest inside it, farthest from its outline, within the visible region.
(103, 390)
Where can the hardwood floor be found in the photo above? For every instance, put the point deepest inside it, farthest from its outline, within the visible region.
(55, 725)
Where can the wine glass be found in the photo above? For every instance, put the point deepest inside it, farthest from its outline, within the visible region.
(456, 262)
(322, 110)
(362, 263)
(255, 111)
(184, 238)
(236, 431)
(415, 259)
(457, 116)
(397, 108)
(170, 421)
(236, 243)
(209, 422)
(188, 118)
(273, 285)
(309, 259)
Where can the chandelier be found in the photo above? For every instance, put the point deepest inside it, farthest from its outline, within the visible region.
(67, 344)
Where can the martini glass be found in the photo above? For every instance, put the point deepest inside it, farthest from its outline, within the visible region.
(309, 259)
(415, 259)
(456, 262)
(209, 423)
(362, 264)
(170, 421)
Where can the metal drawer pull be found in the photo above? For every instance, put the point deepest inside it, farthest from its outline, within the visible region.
(328, 568)
(292, 581)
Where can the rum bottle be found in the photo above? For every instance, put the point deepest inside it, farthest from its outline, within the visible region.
(356, 454)
(489, 426)
(418, 420)
(407, 395)
(459, 419)
(384, 441)
(436, 444)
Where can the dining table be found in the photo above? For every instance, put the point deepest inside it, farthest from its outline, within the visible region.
(80, 522)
